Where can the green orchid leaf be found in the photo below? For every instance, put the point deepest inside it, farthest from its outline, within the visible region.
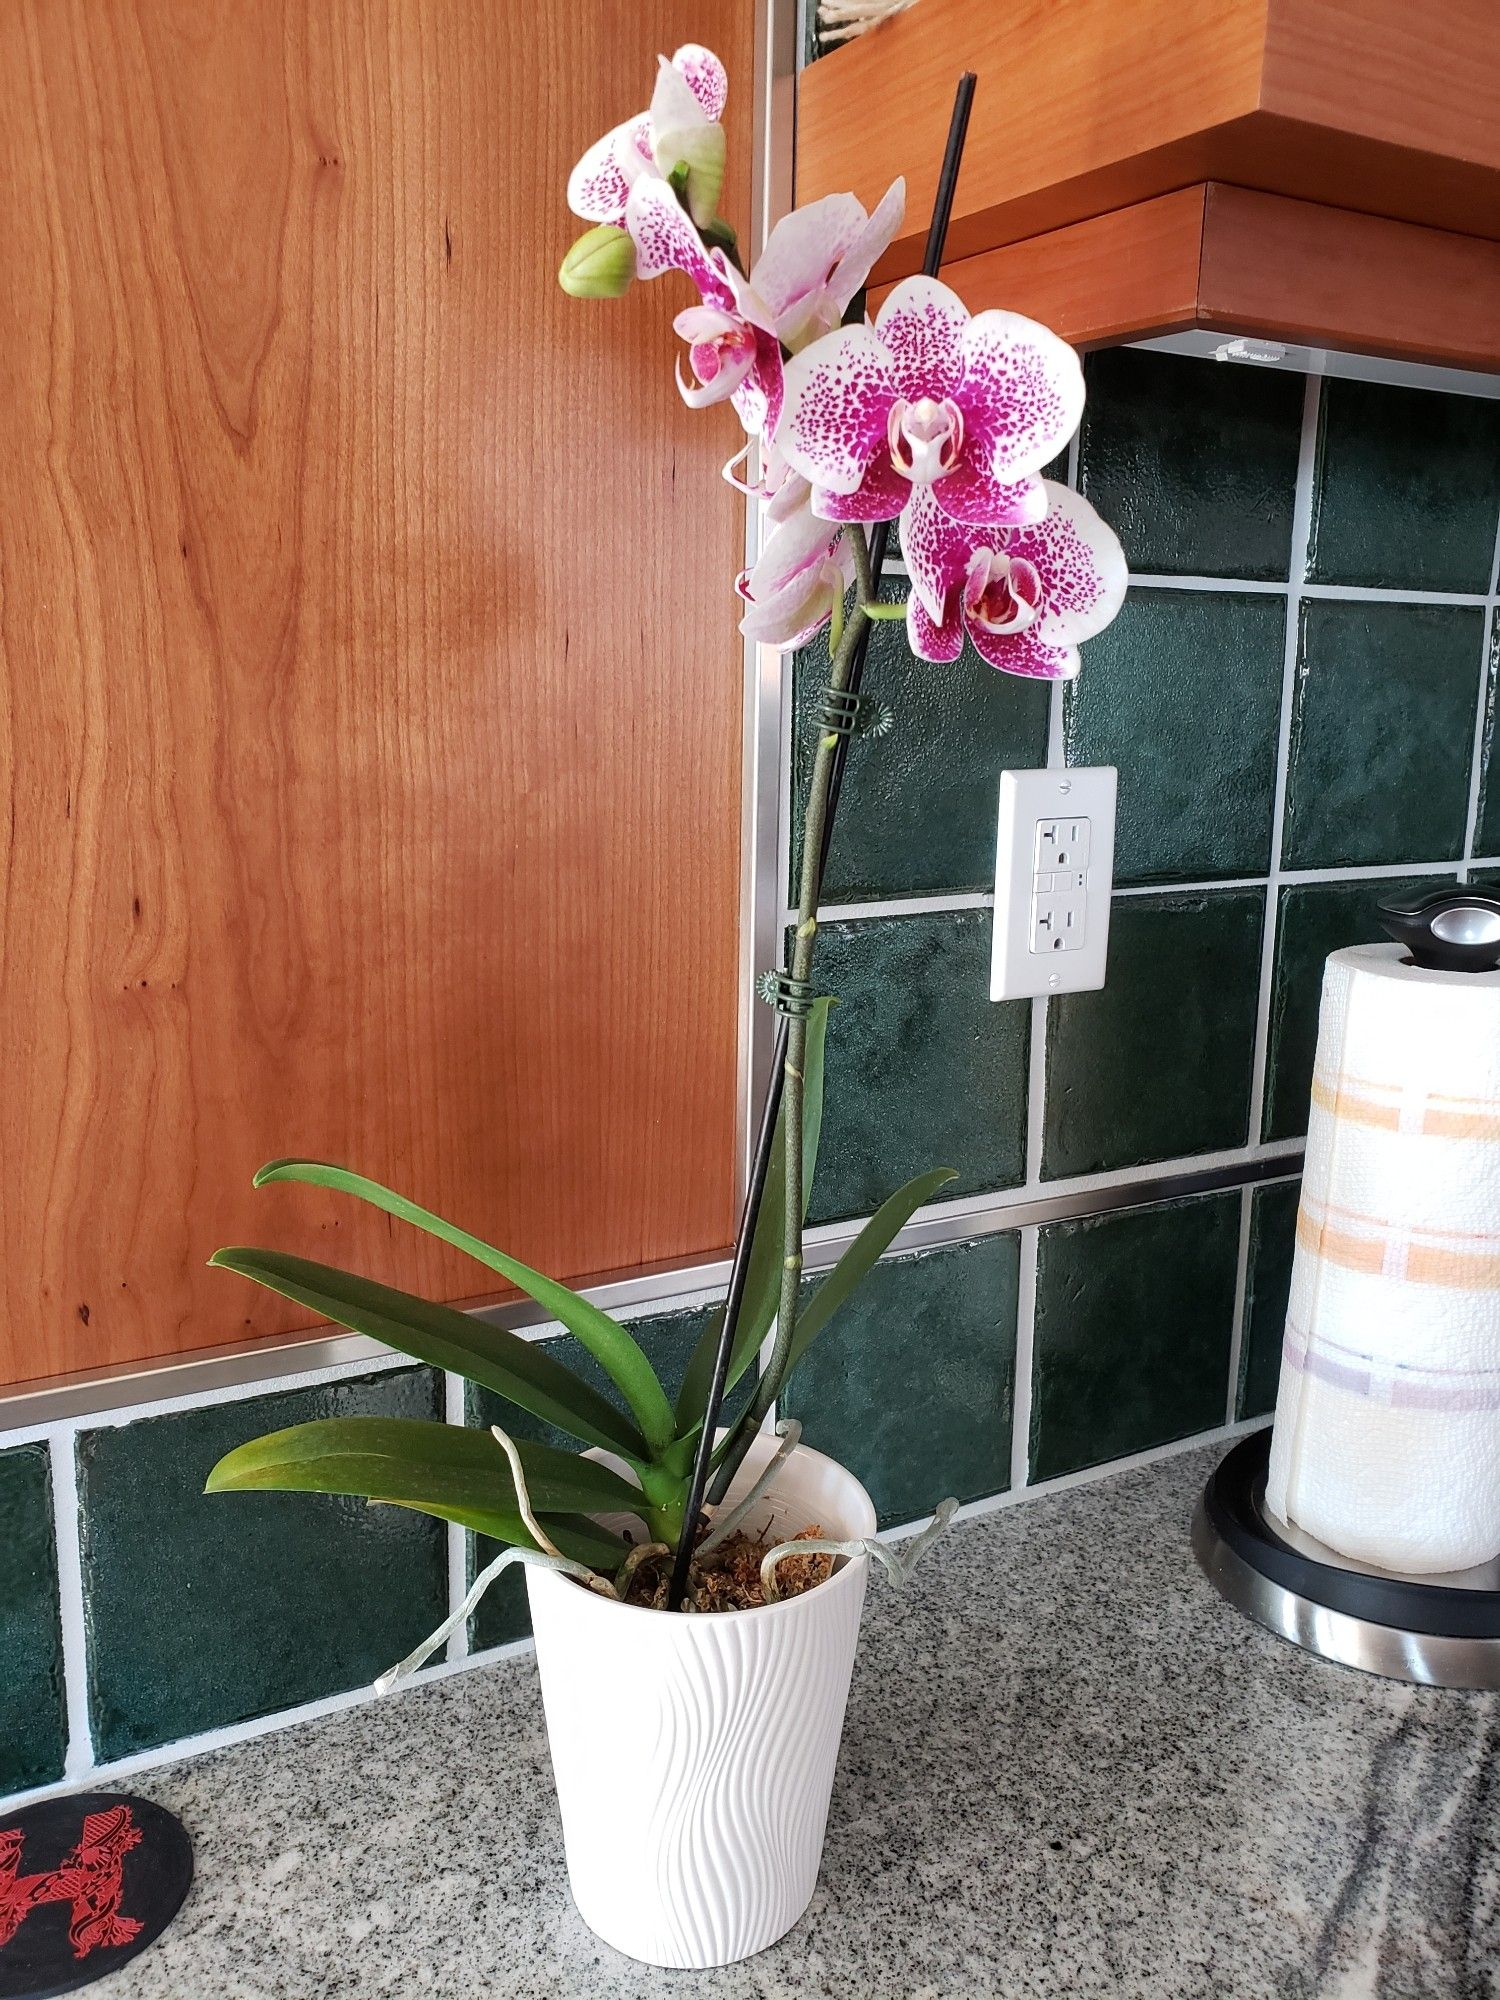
(763, 1280)
(584, 1540)
(861, 1258)
(520, 1370)
(609, 1343)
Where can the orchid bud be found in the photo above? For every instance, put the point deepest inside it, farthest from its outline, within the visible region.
(600, 265)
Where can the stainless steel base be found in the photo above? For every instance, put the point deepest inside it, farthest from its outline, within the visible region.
(1230, 1553)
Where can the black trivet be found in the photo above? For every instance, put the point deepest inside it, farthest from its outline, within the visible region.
(86, 1883)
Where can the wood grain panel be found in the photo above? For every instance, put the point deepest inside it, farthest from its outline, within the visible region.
(1252, 263)
(369, 657)
(1086, 106)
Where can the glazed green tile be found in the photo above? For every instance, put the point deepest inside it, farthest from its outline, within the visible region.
(206, 1609)
(1382, 734)
(1407, 489)
(1133, 1318)
(668, 1339)
(1157, 1064)
(923, 1068)
(1315, 918)
(33, 1727)
(1268, 1280)
(1183, 694)
(911, 1385)
(1487, 826)
(917, 815)
(1193, 463)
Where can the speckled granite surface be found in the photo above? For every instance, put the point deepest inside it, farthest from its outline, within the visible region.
(1068, 1770)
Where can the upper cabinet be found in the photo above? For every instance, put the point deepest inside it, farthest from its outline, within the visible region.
(1321, 172)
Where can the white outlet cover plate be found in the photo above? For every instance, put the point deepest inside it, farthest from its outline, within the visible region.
(1052, 922)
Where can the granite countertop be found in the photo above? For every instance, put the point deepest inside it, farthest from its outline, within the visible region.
(1068, 1770)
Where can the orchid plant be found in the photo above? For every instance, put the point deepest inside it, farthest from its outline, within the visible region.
(932, 417)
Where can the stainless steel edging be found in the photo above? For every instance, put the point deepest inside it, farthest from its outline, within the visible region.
(218, 1371)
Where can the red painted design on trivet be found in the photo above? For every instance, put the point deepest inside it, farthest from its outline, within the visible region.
(90, 1878)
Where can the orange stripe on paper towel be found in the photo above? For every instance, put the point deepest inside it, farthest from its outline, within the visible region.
(1363, 1103)
(1420, 1257)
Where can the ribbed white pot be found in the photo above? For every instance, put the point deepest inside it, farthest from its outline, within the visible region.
(694, 1756)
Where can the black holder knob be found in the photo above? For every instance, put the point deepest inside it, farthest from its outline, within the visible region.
(1446, 930)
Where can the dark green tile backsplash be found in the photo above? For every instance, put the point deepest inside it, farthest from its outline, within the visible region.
(1382, 734)
(923, 1069)
(202, 1612)
(1405, 489)
(208, 1609)
(33, 1733)
(911, 1384)
(1133, 1328)
(1268, 1279)
(1183, 694)
(1194, 463)
(1158, 1063)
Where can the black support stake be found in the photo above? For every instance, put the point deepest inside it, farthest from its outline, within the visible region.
(937, 236)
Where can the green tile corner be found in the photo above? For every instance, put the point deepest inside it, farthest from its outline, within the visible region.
(204, 1610)
(1157, 1065)
(911, 1385)
(1133, 1323)
(33, 1714)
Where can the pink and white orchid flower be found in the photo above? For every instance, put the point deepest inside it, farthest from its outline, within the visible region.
(1026, 595)
(814, 262)
(681, 127)
(803, 572)
(931, 399)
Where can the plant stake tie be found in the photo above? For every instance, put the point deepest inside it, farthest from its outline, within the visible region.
(937, 237)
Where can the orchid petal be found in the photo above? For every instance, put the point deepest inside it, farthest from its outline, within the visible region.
(705, 76)
(718, 376)
(1081, 564)
(879, 496)
(747, 301)
(801, 251)
(971, 494)
(1022, 391)
(792, 616)
(759, 399)
(665, 240)
(936, 548)
(704, 323)
(788, 491)
(675, 106)
(867, 249)
(928, 638)
(799, 542)
(702, 150)
(598, 186)
(1023, 653)
(839, 393)
(922, 324)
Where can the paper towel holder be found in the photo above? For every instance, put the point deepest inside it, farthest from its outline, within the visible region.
(1446, 930)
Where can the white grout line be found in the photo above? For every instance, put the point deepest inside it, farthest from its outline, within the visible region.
(1241, 1293)
(1338, 593)
(905, 906)
(1020, 1420)
(67, 1528)
(1297, 571)
(458, 1538)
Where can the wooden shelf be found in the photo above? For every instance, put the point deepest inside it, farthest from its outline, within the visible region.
(1323, 170)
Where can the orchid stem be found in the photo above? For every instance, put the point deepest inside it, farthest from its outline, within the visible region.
(804, 944)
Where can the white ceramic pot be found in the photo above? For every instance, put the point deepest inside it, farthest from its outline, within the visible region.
(694, 1756)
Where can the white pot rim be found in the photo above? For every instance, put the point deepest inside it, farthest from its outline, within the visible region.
(843, 1578)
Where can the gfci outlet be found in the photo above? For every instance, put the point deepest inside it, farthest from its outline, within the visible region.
(1054, 869)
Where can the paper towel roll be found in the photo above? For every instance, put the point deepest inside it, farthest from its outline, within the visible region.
(1387, 1437)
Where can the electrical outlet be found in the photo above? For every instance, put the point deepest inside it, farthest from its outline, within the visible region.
(1054, 869)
